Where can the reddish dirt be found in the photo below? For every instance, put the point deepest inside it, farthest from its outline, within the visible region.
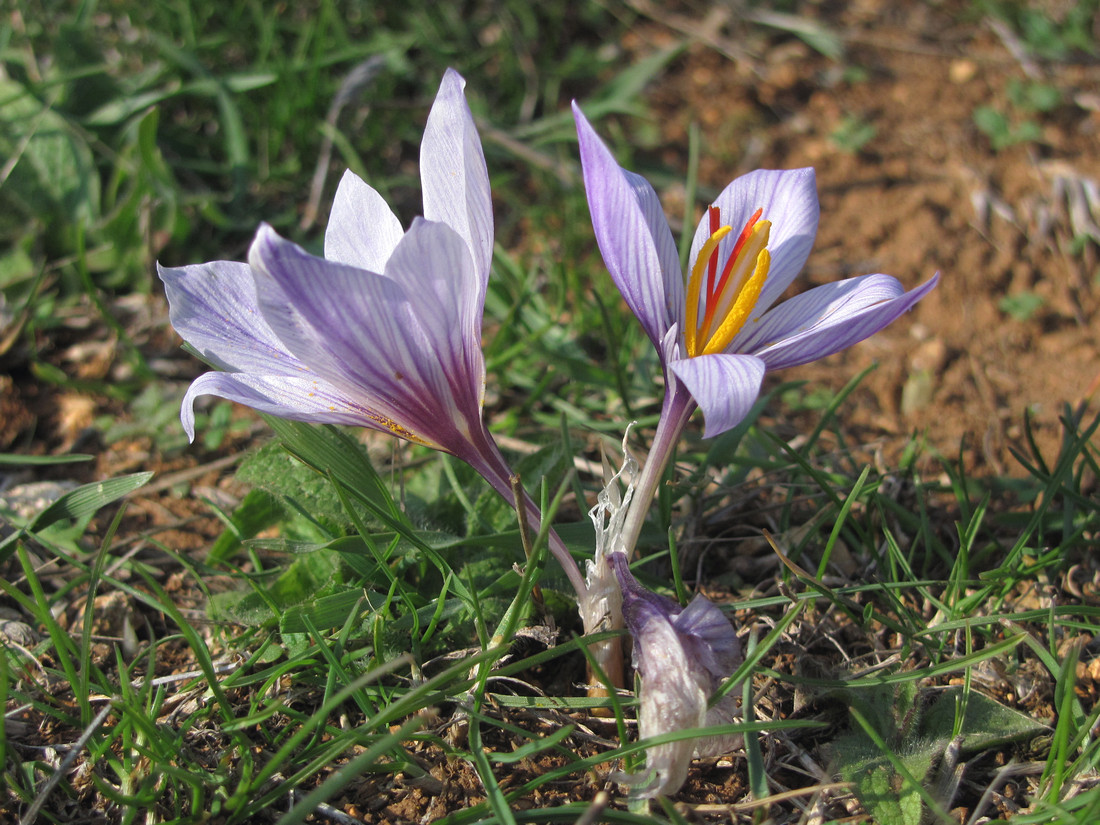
(926, 193)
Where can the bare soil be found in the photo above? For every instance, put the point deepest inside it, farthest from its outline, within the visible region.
(926, 193)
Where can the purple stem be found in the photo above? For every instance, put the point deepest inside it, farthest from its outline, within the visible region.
(676, 411)
(488, 461)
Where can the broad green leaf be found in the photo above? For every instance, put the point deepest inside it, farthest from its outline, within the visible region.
(87, 499)
(917, 741)
(326, 612)
(258, 511)
(987, 724)
(888, 797)
(327, 450)
(52, 170)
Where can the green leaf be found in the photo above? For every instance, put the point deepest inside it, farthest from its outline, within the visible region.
(328, 450)
(87, 499)
(890, 800)
(16, 460)
(913, 741)
(987, 723)
(326, 612)
(53, 172)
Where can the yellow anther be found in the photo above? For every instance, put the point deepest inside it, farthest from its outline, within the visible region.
(742, 307)
(695, 286)
(734, 279)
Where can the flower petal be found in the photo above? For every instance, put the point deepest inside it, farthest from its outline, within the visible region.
(633, 235)
(724, 386)
(405, 359)
(709, 636)
(431, 260)
(300, 399)
(362, 230)
(830, 318)
(453, 173)
(677, 667)
(213, 307)
(789, 200)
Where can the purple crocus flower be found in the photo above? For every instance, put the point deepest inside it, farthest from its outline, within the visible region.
(384, 331)
(717, 331)
(683, 654)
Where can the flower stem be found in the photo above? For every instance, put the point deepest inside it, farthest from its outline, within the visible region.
(491, 465)
(678, 408)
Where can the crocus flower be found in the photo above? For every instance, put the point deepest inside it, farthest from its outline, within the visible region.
(384, 331)
(717, 331)
(683, 654)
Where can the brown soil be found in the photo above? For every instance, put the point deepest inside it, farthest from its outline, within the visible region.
(926, 193)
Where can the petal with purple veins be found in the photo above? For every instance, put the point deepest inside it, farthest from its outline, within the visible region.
(628, 232)
(362, 229)
(724, 386)
(789, 200)
(213, 307)
(453, 173)
(710, 636)
(833, 317)
(299, 399)
(365, 334)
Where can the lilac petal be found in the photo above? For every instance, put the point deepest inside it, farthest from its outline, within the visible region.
(297, 398)
(710, 636)
(832, 317)
(213, 307)
(725, 712)
(453, 173)
(362, 230)
(724, 386)
(431, 260)
(661, 232)
(632, 234)
(367, 336)
(789, 201)
(643, 610)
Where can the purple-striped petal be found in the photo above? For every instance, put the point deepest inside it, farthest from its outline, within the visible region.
(431, 260)
(661, 233)
(453, 173)
(297, 398)
(830, 318)
(213, 307)
(789, 201)
(399, 352)
(724, 386)
(633, 236)
(362, 230)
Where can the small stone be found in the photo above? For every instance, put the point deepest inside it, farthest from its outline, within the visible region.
(962, 71)
(931, 356)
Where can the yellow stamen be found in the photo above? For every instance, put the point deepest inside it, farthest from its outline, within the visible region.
(742, 307)
(695, 284)
(739, 271)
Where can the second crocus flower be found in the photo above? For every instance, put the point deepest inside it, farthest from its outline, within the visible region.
(683, 655)
(718, 330)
